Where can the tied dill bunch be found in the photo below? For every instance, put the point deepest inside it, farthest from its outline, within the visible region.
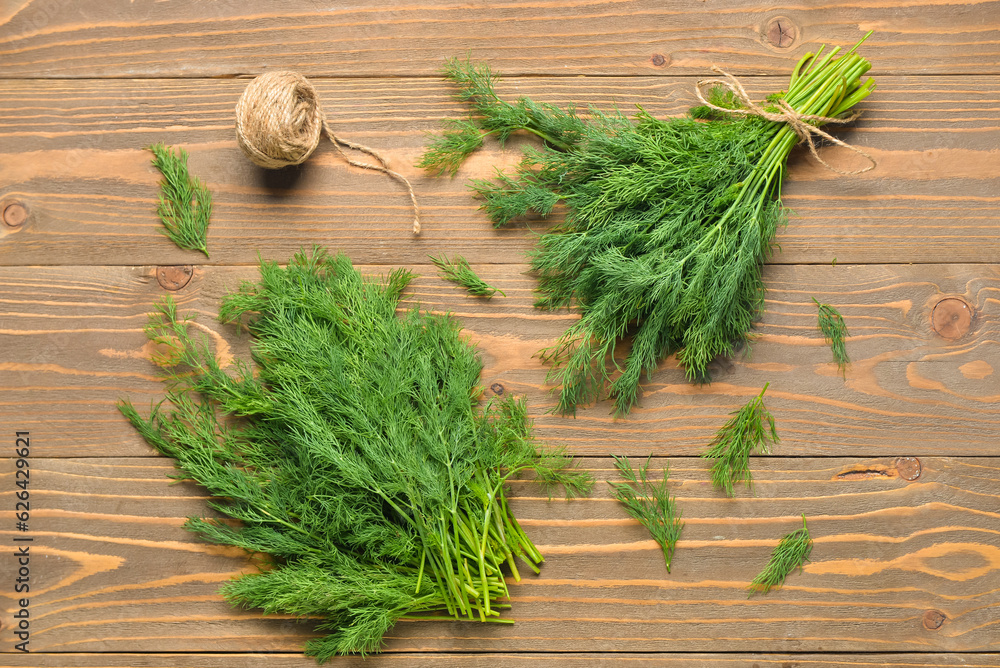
(650, 504)
(831, 323)
(457, 270)
(185, 203)
(792, 551)
(743, 434)
(353, 451)
(667, 222)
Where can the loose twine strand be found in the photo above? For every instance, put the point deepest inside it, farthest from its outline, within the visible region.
(798, 122)
(279, 123)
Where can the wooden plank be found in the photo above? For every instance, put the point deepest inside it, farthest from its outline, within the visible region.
(72, 157)
(897, 565)
(508, 660)
(72, 345)
(123, 39)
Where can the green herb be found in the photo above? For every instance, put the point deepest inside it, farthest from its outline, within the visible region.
(354, 453)
(651, 504)
(667, 221)
(792, 551)
(457, 270)
(831, 323)
(185, 203)
(743, 435)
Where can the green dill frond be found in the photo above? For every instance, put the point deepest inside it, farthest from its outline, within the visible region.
(185, 206)
(831, 324)
(457, 270)
(649, 503)
(744, 434)
(449, 150)
(353, 451)
(507, 198)
(792, 551)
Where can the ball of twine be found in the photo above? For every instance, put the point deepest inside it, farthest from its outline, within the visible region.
(279, 122)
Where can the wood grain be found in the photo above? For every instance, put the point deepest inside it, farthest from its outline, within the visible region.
(508, 660)
(71, 345)
(71, 155)
(114, 571)
(187, 39)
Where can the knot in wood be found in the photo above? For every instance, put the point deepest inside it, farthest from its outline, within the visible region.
(14, 214)
(781, 33)
(908, 468)
(951, 318)
(174, 277)
(497, 388)
(934, 619)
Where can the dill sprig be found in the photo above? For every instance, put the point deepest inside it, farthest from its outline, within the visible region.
(667, 224)
(743, 434)
(457, 270)
(353, 451)
(831, 323)
(792, 551)
(185, 203)
(650, 504)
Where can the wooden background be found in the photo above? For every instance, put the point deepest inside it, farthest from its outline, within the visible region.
(896, 466)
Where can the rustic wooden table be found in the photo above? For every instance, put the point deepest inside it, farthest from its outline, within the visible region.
(896, 466)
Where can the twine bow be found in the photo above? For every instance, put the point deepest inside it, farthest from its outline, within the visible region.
(799, 123)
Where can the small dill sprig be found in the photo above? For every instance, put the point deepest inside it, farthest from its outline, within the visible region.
(650, 504)
(448, 151)
(185, 203)
(831, 323)
(457, 270)
(792, 551)
(740, 437)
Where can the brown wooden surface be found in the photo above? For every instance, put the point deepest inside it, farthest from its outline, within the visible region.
(71, 153)
(511, 660)
(118, 573)
(120, 38)
(77, 346)
(895, 465)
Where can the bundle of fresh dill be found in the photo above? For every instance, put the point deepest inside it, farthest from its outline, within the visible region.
(667, 221)
(185, 207)
(353, 453)
(791, 552)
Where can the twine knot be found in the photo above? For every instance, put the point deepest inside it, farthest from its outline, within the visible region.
(279, 123)
(799, 123)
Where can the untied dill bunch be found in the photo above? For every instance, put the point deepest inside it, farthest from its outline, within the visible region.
(185, 205)
(354, 452)
(743, 434)
(791, 552)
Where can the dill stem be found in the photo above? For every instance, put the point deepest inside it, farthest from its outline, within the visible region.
(562, 146)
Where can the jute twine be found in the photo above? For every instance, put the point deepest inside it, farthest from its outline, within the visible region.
(806, 131)
(279, 122)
